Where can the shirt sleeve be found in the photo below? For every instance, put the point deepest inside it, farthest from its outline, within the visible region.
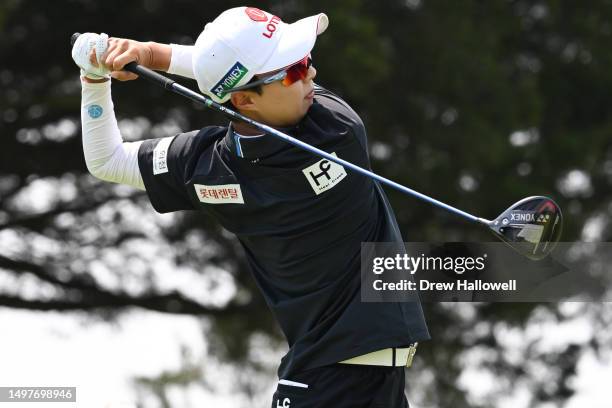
(165, 167)
(180, 61)
(107, 156)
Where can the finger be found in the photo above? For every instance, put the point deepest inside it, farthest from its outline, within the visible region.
(124, 75)
(121, 53)
(93, 59)
(112, 45)
(116, 47)
(123, 59)
(111, 57)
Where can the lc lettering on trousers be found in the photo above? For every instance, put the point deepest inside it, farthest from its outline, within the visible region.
(286, 403)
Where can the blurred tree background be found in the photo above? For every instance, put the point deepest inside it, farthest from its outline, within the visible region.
(476, 103)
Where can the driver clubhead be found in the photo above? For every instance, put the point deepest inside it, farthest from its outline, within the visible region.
(531, 226)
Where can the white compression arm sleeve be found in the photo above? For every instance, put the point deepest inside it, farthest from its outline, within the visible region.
(180, 61)
(107, 156)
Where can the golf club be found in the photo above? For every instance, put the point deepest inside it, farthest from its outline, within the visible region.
(532, 226)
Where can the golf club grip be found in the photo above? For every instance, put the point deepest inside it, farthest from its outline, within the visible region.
(149, 74)
(139, 70)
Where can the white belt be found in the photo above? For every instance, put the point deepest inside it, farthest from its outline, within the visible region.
(390, 357)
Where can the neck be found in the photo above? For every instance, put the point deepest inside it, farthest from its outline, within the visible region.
(245, 129)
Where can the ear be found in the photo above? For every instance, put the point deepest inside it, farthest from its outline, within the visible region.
(243, 101)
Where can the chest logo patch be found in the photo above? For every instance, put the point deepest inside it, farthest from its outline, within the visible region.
(219, 194)
(324, 175)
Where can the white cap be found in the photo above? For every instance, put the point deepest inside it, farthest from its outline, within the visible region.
(246, 41)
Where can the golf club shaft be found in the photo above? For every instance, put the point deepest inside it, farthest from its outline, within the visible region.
(173, 86)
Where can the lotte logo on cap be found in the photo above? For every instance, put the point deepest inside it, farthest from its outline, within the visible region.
(256, 14)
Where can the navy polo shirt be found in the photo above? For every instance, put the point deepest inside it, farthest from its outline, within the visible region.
(301, 221)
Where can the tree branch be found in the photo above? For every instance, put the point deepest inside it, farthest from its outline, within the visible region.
(93, 296)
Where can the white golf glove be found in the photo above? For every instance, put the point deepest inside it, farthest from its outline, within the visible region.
(80, 54)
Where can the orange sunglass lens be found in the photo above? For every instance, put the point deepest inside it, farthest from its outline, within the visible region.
(297, 72)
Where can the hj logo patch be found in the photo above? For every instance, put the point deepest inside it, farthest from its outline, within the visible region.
(324, 175)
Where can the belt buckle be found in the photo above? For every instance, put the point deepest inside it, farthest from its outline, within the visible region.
(411, 353)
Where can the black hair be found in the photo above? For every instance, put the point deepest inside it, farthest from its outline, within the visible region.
(257, 89)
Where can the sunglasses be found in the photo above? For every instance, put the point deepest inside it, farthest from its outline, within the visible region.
(288, 76)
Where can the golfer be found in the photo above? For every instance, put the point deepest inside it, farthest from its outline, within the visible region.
(300, 219)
